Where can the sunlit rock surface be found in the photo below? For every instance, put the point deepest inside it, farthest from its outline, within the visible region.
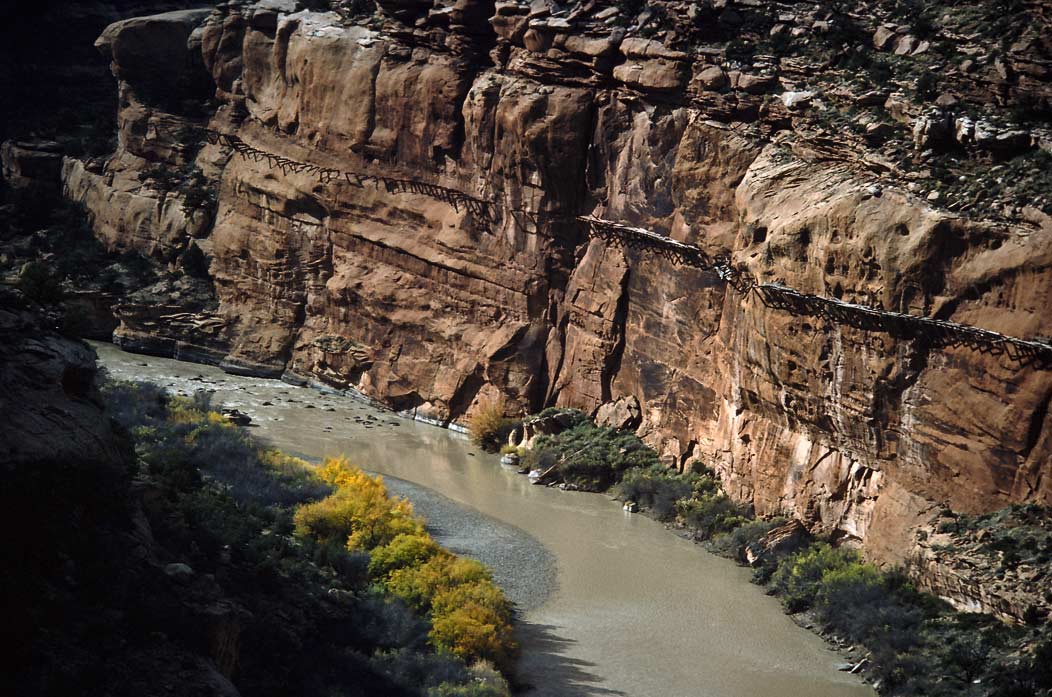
(433, 310)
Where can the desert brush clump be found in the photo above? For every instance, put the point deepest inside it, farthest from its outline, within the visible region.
(489, 427)
(590, 457)
(470, 616)
(918, 644)
(694, 498)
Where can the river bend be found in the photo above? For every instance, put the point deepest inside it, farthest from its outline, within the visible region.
(611, 603)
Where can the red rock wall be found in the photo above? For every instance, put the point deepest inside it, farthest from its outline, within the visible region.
(429, 309)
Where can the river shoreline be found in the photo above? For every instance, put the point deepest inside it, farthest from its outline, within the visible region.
(521, 566)
(634, 610)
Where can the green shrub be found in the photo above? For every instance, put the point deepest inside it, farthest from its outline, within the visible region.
(566, 415)
(473, 689)
(164, 177)
(710, 515)
(1041, 660)
(405, 550)
(180, 440)
(590, 457)
(352, 567)
(927, 85)
(655, 488)
(199, 194)
(734, 543)
(411, 668)
(799, 579)
(860, 603)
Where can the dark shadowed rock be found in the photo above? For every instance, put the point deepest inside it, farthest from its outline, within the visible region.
(50, 409)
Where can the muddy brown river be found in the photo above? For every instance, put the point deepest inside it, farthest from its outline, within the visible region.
(611, 603)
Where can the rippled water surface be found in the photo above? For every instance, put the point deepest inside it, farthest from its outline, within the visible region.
(612, 603)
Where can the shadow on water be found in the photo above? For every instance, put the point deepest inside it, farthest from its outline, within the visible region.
(548, 671)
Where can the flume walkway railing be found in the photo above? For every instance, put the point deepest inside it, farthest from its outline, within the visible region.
(933, 332)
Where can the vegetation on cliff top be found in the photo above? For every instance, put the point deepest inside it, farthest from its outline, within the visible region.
(198, 564)
(42, 228)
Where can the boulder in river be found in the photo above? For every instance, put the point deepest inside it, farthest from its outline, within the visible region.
(237, 417)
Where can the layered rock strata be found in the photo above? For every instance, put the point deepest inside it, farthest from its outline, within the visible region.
(552, 114)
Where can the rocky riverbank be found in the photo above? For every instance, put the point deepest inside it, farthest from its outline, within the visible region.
(521, 566)
(903, 641)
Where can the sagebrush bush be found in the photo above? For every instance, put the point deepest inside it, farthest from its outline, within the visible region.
(40, 283)
(590, 457)
(735, 542)
(410, 667)
(710, 514)
(799, 580)
(486, 681)
(656, 488)
(918, 645)
(694, 498)
(181, 439)
(199, 194)
(567, 415)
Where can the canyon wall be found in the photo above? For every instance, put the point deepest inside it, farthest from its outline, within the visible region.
(552, 113)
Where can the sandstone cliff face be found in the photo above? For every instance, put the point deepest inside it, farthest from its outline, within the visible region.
(433, 310)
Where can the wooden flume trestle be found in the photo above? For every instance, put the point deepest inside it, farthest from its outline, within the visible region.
(935, 333)
(327, 175)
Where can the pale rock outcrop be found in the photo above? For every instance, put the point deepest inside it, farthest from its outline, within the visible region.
(777, 542)
(973, 582)
(622, 414)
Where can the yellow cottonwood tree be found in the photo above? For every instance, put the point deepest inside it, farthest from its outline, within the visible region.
(469, 614)
(360, 511)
